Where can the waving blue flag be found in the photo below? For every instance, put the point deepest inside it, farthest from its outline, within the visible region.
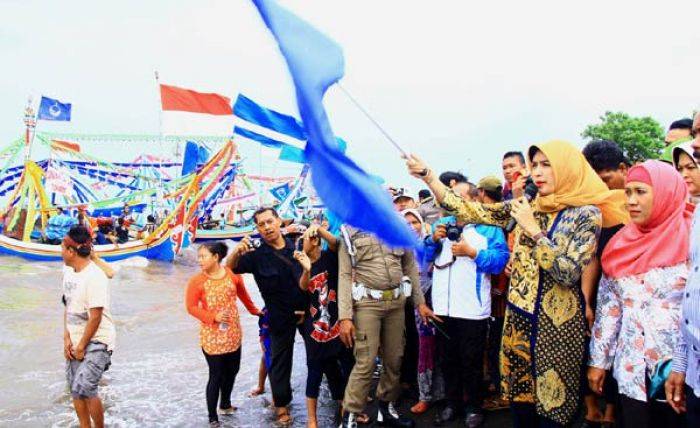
(50, 109)
(315, 63)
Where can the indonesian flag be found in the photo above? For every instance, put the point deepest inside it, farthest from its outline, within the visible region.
(188, 112)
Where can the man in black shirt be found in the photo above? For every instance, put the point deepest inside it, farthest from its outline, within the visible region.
(277, 276)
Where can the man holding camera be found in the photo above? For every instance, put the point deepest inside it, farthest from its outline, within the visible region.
(461, 296)
(374, 283)
(276, 272)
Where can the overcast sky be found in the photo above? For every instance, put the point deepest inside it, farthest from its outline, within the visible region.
(456, 82)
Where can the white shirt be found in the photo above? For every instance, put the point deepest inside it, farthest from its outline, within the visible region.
(82, 291)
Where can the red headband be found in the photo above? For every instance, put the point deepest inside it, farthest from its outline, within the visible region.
(71, 243)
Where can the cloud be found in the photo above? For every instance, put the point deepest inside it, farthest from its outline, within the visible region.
(457, 82)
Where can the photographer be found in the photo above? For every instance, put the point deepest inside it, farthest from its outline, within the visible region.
(461, 295)
(516, 174)
(277, 276)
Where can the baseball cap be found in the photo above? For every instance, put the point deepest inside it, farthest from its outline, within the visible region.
(490, 183)
(402, 192)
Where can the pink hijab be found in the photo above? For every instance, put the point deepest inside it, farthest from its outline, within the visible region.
(663, 241)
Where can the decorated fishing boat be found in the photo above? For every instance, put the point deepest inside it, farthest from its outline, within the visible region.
(35, 191)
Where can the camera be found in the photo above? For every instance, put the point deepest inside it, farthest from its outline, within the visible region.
(454, 231)
(255, 243)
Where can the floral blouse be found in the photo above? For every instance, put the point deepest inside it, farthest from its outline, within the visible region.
(205, 296)
(636, 325)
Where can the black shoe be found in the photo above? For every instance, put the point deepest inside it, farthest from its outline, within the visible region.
(474, 420)
(448, 414)
(349, 420)
(388, 416)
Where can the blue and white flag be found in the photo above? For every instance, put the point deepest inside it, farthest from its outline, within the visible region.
(281, 192)
(266, 126)
(315, 63)
(51, 109)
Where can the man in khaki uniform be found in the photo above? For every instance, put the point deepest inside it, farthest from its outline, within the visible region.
(371, 312)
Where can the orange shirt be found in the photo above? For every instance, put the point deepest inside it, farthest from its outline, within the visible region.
(205, 297)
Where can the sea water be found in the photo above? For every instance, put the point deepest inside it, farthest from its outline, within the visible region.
(158, 373)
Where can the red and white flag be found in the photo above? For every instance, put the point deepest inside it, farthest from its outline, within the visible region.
(188, 112)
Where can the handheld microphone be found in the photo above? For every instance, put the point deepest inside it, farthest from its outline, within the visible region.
(530, 192)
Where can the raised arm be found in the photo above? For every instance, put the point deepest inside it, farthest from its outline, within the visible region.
(243, 295)
(469, 212)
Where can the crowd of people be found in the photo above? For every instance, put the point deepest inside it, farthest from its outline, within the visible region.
(572, 284)
(104, 230)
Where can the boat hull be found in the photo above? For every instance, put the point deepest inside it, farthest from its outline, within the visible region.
(160, 249)
(236, 234)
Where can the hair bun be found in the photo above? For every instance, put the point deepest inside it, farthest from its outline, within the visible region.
(84, 250)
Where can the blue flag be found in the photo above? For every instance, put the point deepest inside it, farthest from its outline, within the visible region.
(315, 63)
(51, 109)
(252, 112)
(281, 192)
(189, 160)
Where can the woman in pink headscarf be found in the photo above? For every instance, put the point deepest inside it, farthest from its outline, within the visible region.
(639, 300)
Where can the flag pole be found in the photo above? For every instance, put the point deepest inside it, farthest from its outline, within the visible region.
(154, 196)
(371, 119)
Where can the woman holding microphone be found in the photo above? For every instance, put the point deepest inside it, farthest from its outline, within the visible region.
(542, 351)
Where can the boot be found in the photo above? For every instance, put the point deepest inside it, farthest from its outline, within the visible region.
(349, 420)
(388, 416)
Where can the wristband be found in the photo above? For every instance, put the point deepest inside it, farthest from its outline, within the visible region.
(424, 172)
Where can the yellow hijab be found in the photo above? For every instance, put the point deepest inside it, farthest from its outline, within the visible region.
(576, 184)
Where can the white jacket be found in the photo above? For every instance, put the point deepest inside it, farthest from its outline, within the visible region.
(462, 290)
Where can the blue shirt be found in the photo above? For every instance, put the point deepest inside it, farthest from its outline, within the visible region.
(59, 225)
(687, 356)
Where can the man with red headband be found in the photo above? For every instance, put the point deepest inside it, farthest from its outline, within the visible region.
(88, 328)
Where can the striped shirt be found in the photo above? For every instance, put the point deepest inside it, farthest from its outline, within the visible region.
(687, 356)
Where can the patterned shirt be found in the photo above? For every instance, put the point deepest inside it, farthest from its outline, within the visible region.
(636, 325)
(205, 297)
(687, 356)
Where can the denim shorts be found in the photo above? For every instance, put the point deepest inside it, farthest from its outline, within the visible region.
(83, 376)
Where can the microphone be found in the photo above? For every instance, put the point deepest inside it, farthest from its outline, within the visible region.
(530, 192)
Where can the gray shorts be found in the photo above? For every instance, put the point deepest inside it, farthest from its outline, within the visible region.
(83, 376)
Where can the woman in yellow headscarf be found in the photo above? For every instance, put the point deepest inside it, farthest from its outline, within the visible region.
(543, 348)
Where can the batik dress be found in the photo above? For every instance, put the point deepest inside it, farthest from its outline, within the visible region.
(542, 351)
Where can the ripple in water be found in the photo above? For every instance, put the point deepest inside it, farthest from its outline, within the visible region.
(158, 372)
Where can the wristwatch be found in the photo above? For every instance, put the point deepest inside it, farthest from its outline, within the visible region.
(539, 235)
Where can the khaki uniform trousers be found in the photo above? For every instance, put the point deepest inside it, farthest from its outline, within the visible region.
(379, 324)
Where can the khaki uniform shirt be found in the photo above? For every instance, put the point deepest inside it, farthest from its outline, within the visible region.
(378, 267)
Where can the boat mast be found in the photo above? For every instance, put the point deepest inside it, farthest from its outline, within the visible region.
(30, 128)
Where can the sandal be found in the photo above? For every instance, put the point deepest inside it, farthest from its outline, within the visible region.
(228, 411)
(420, 407)
(284, 419)
(363, 419)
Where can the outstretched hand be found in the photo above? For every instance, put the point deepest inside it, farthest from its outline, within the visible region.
(415, 165)
(427, 314)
